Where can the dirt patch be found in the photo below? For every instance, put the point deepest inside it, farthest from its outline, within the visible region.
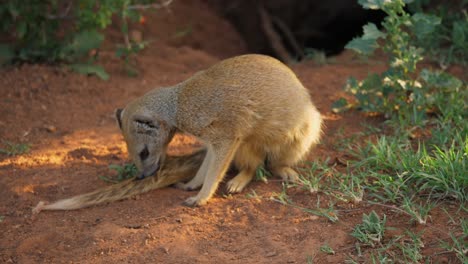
(68, 120)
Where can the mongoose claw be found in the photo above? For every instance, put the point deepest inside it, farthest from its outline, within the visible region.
(235, 186)
(184, 186)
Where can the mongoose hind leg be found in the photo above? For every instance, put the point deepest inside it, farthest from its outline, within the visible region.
(287, 173)
(247, 159)
(222, 153)
(293, 151)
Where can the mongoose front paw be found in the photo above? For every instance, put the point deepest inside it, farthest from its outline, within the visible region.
(184, 186)
(236, 185)
(194, 201)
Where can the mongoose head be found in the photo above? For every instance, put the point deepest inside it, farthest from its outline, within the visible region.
(147, 138)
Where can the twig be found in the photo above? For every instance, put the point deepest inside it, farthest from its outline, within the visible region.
(155, 6)
(272, 35)
(64, 14)
(289, 35)
(390, 206)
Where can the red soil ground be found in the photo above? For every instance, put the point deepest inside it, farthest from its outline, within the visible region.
(68, 120)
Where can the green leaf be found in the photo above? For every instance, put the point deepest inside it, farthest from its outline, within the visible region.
(379, 4)
(91, 69)
(134, 15)
(116, 167)
(459, 33)
(440, 80)
(6, 53)
(21, 29)
(362, 46)
(327, 249)
(424, 24)
(372, 32)
(340, 105)
(121, 51)
(368, 42)
(84, 42)
(372, 4)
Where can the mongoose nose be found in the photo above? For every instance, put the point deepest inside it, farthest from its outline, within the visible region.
(140, 177)
(148, 172)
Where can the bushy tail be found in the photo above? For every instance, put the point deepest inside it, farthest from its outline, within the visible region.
(174, 169)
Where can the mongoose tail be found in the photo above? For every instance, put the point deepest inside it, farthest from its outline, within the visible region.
(174, 169)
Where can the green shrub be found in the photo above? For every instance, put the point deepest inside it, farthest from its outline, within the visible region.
(449, 41)
(52, 31)
(401, 92)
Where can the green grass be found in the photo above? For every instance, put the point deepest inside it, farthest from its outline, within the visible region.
(400, 169)
(261, 174)
(377, 248)
(14, 149)
(371, 231)
(124, 172)
(458, 242)
(329, 212)
(414, 162)
(327, 249)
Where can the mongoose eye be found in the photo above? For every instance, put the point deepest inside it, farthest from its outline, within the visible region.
(144, 153)
(146, 124)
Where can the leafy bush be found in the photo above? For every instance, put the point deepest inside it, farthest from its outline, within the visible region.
(399, 92)
(49, 31)
(409, 97)
(421, 161)
(449, 41)
(54, 31)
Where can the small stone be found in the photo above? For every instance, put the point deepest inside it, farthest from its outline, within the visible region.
(51, 129)
(165, 250)
(136, 36)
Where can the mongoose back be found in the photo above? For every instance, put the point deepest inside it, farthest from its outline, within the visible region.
(174, 169)
(245, 109)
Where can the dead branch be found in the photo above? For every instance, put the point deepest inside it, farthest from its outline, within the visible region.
(273, 36)
(154, 6)
(62, 15)
(289, 35)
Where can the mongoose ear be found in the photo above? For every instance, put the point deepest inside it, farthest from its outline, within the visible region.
(118, 116)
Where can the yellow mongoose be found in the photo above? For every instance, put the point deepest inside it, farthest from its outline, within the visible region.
(248, 109)
(174, 169)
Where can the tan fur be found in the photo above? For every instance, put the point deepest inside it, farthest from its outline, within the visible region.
(174, 169)
(246, 109)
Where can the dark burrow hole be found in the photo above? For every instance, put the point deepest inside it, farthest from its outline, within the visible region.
(286, 29)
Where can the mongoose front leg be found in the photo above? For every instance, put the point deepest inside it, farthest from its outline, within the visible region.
(197, 181)
(223, 153)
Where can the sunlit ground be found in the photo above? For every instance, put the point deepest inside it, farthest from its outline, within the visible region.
(79, 151)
